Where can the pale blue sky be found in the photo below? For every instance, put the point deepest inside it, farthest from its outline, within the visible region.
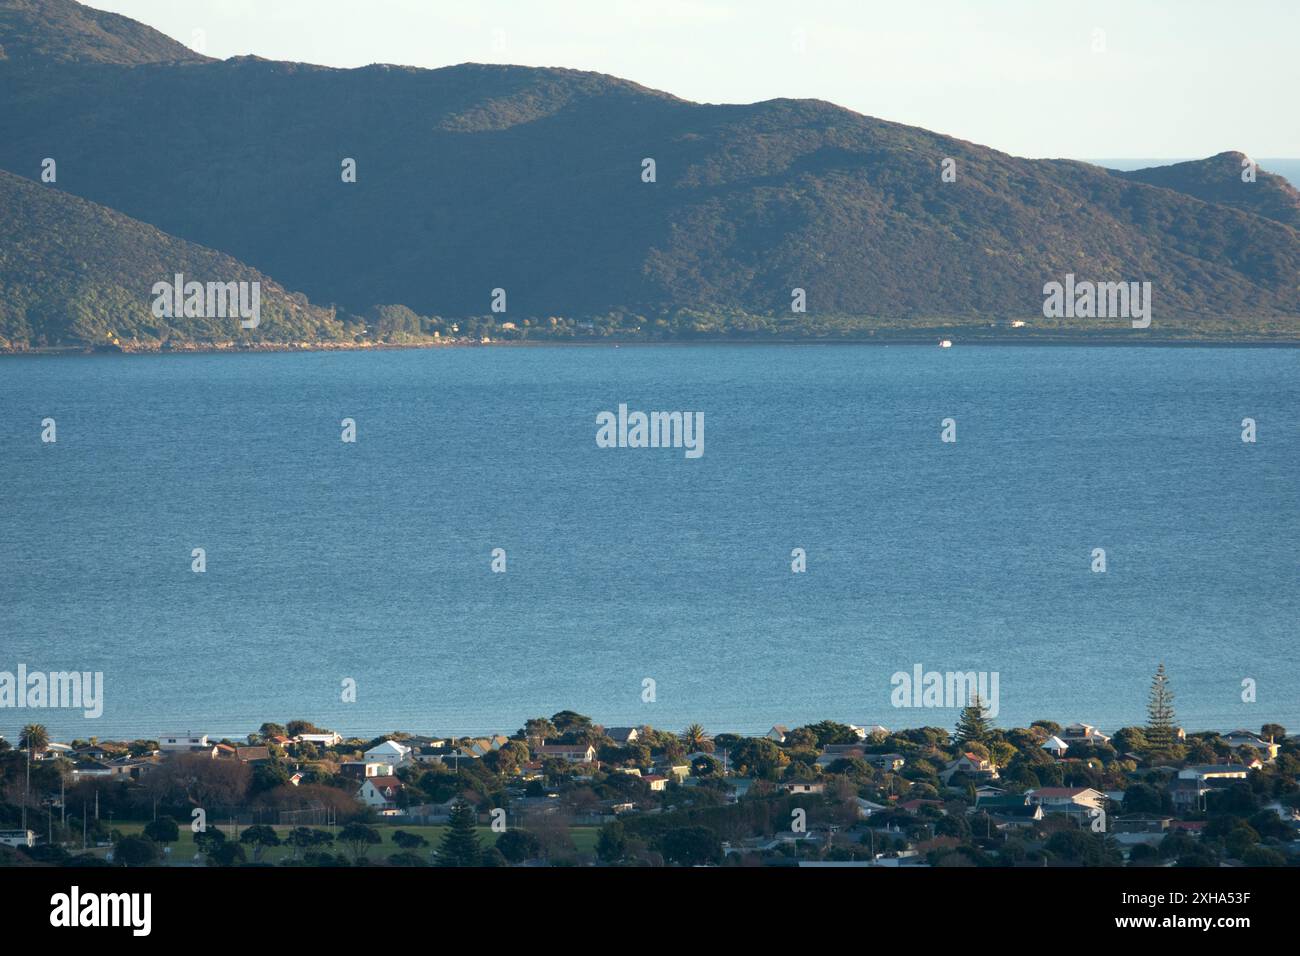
(1174, 78)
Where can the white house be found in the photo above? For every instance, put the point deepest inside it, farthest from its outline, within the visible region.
(622, 736)
(1056, 746)
(381, 793)
(1066, 799)
(1215, 772)
(390, 752)
(778, 733)
(183, 743)
(327, 739)
(803, 786)
(574, 753)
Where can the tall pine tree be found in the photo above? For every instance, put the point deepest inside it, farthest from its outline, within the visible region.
(973, 725)
(1160, 714)
(460, 843)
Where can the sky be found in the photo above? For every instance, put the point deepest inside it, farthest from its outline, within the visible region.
(1038, 78)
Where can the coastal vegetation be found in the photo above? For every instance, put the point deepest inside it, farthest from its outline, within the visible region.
(565, 790)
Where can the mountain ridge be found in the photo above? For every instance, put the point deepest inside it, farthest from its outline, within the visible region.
(1218, 179)
(68, 32)
(480, 176)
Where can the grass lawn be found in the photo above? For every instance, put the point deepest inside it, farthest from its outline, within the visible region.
(584, 839)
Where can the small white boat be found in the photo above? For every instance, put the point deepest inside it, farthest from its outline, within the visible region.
(945, 343)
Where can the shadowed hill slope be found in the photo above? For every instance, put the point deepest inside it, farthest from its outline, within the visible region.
(1218, 180)
(73, 273)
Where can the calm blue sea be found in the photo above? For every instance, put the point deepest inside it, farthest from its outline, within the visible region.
(370, 561)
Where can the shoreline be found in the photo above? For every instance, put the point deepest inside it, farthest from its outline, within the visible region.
(1065, 339)
(945, 716)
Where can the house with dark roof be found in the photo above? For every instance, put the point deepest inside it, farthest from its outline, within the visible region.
(1141, 823)
(1000, 802)
(890, 762)
(833, 752)
(1016, 817)
(1084, 734)
(1265, 750)
(90, 770)
(1189, 787)
(914, 806)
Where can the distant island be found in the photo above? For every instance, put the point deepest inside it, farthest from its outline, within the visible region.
(476, 204)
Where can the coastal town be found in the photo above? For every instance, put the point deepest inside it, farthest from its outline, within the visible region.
(567, 791)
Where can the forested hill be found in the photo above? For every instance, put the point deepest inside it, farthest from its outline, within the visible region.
(474, 178)
(73, 273)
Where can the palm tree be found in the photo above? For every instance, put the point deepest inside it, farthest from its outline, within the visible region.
(35, 737)
(694, 738)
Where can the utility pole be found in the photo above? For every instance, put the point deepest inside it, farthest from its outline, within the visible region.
(27, 789)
